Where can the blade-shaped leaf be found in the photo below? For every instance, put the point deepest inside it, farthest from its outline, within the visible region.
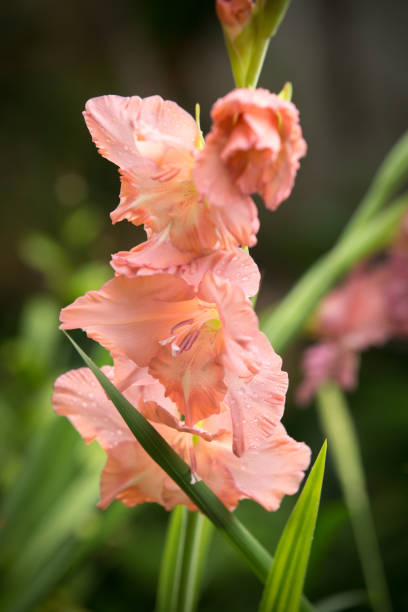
(284, 584)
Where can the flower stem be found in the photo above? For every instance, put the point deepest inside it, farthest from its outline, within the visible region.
(198, 535)
(343, 443)
(258, 55)
(172, 560)
(284, 321)
(391, 175)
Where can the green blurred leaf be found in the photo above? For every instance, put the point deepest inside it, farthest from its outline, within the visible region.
(86, 278)
(81, 227)
(342, 601)
(284, 584)
(45, 255)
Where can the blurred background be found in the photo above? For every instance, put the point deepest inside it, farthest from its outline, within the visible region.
(347, 63)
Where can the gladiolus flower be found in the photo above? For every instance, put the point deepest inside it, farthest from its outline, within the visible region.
(367, 310)
(154, 142)
(254, 147)
(327, 361)
(264, 474)
(199, 340)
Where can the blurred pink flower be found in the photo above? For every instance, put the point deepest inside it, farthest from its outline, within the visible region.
(254, 147)
(154, 142)
(368, 309)
(356, 314)
(199, 340)
(327, 361)
(265, 474)
(396, 292)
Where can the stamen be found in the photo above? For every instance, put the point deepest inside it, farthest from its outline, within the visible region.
(188, 340)
(180, 324)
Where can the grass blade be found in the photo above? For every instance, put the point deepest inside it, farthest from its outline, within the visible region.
(284, 585)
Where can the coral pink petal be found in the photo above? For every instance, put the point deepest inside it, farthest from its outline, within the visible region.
(238, 224)
(156, 255)
(127, 373)
(278, 183)
(212, 177)
(148, 395)
(235, 266)
(194, 378)
(117, 124)
(133, 478)
(131, 315)
(257, 405)
(239, 324)
(79, 396)
(270, 471)
(153, 195)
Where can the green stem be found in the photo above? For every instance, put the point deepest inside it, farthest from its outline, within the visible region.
(390, 177)
(257, 557)
(198, 533)
(258, 54)
(285, 320)
(172, 561)
(343, 443)
(271, 14)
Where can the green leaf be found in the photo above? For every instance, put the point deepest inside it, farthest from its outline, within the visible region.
(284, 584)
(148, 437)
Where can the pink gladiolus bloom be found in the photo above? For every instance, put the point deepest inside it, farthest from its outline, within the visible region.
(327, 361)
(356, 314)
(198, 341)
(254, 147)
(154, 142)
(351, 318)
(265, 474)
(396, 291)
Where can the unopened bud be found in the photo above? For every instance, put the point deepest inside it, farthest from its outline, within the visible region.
(234, 14)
